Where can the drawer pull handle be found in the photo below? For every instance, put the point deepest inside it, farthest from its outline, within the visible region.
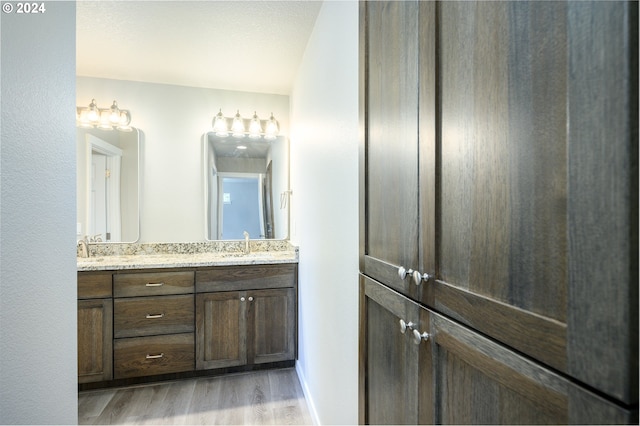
(155, 356)
(152, 316)
(154, 284)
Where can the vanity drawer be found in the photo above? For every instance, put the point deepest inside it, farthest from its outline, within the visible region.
(245, 277)
(94, 285)
(146, 316)
(147, 356)
(153, 283)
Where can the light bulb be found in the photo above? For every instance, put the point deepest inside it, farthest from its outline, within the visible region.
(220, 125)
(271, 130)
(114, 113)
(93, 113)
(254, 127)
(237, 127)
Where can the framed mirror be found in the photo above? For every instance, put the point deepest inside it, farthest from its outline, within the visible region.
(108, 185)
(246, 184)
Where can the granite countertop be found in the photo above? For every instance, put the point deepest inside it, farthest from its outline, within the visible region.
(183, 255)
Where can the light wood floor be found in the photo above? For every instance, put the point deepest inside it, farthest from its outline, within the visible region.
(256, 398)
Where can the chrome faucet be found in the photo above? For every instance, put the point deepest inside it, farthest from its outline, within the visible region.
(84, 246)
(246, 242)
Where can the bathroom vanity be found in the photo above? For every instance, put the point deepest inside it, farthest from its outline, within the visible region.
(146, 317)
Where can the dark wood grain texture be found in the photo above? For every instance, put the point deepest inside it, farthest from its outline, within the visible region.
(503, 189)
(95, 340)
(94, 285)
(146, 316)
(398, 372)
(480, 381)
(221, 337)
(246, 277)
(152, 283)
(603, 196)
(146, 356)
(272, 325)
(392, 132)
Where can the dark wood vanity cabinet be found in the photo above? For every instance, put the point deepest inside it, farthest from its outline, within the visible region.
(499, 177)
(153, 323)
(140, 323)
(95, 327)
(250, 318)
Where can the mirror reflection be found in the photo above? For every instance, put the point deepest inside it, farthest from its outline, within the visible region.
(108, 185)
(246, 187)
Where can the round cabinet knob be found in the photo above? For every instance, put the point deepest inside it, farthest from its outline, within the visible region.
(402, 273)
(418, 337)
(242, 299)
(250, 298)
(405, 325)
(418, 277)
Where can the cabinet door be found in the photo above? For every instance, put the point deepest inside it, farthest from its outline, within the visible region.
(95, 344)
(396, 372)
(398, 156)
(536, 191)
(271, 326)
(221, 338)
(479, 381)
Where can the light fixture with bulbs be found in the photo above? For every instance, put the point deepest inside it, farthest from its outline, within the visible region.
(104, 118)
(240, 127)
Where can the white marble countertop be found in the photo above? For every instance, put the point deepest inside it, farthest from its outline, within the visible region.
(184, 260)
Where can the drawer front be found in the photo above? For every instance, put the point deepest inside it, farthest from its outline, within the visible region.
(246, 277)
(153, 283)
(147, 356)
(146, 316)
(94, 285)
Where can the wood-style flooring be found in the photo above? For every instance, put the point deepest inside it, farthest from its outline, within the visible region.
(257, 398)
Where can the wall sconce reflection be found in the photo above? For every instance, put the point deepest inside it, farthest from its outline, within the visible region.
(240, 127)
(103, 118)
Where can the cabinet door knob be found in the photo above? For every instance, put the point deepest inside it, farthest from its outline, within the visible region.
(418, 277)
(419, 337)
(402, 273)
(242, 299)
(404, 325)
(250, 298)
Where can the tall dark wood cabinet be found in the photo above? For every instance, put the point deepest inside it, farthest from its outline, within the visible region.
(499, 199)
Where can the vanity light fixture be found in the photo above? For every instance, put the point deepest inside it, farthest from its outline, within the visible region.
(237, 126)
(103, 118)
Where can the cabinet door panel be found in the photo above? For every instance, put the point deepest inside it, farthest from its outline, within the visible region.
(392, 132)
(95, 344)
(271, 321)
(503, 188)
(532, 181)
(397, 371)
(221, 338)
(479, 381)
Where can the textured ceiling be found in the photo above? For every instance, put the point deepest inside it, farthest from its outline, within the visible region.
(253, 46)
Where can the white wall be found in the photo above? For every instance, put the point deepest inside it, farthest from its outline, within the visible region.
(324, 174)
(38, 366)
(172, 120)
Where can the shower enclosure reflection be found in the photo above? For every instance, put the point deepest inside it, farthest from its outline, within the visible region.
(246, 187)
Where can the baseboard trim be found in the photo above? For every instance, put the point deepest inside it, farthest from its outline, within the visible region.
(307, 395)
